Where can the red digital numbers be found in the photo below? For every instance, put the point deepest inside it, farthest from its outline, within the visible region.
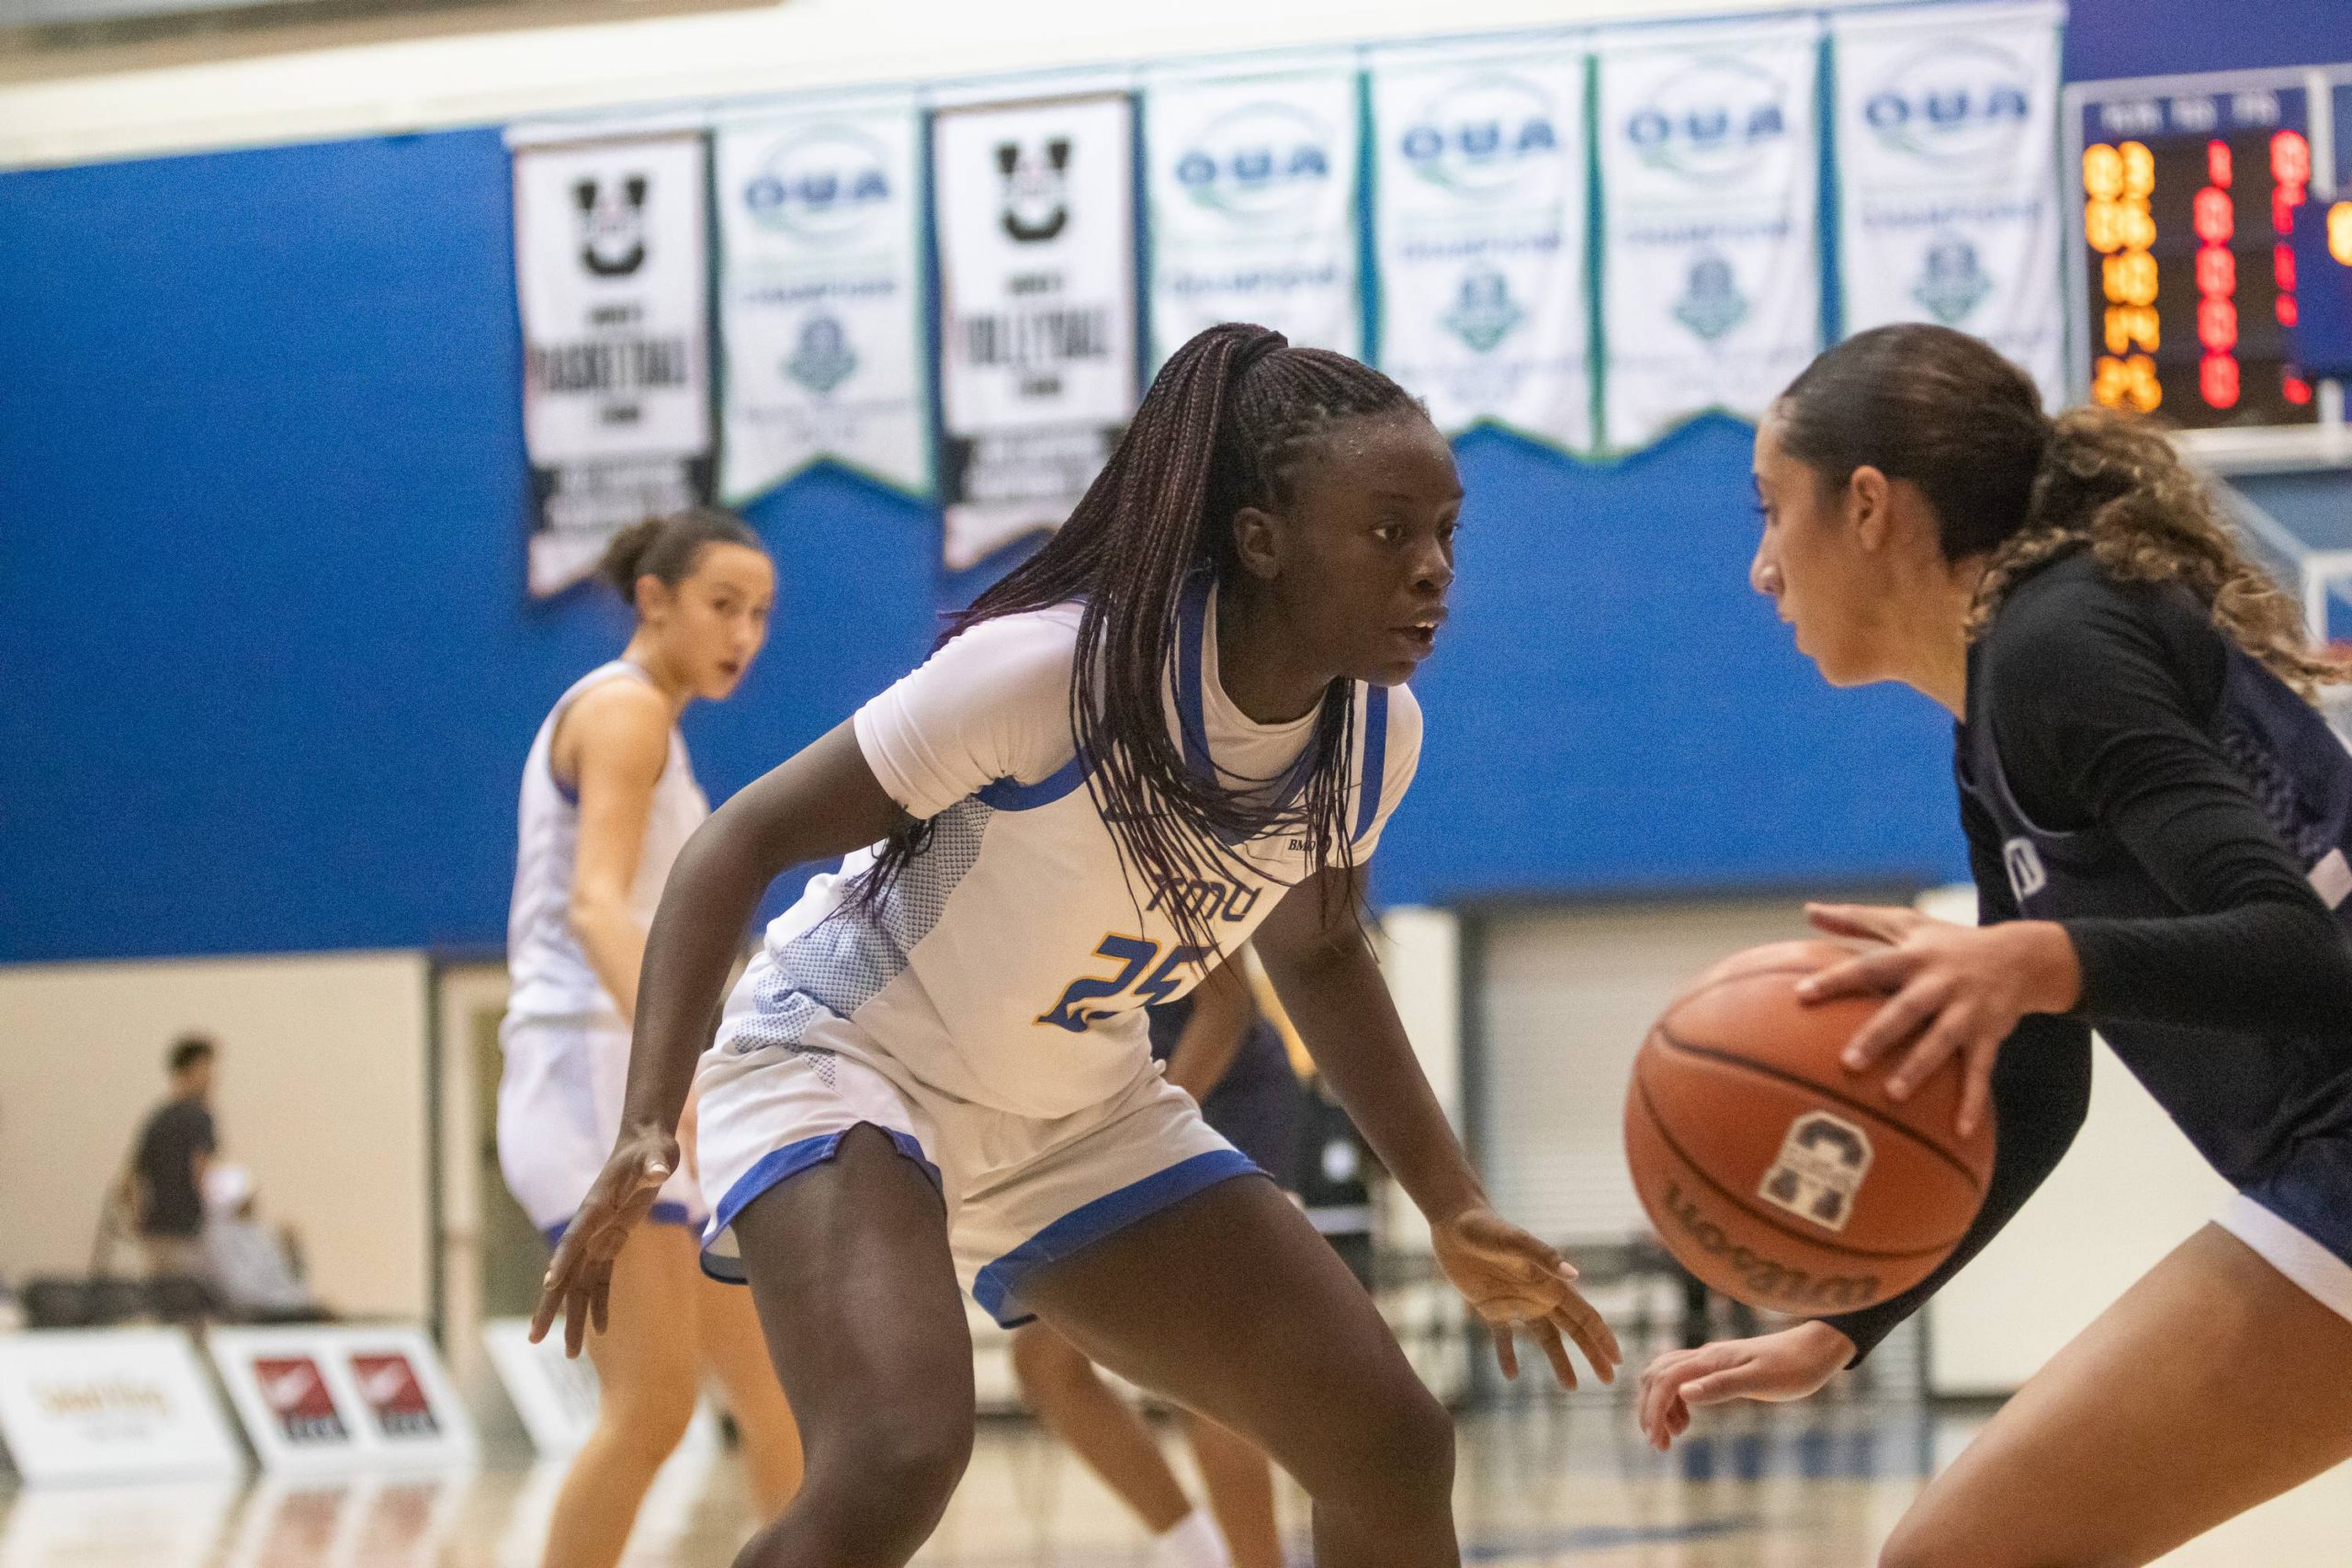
(2290, 168)
(2214, 217)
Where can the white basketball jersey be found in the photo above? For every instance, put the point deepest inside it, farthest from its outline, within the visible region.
(548, 975)
(1009, 963)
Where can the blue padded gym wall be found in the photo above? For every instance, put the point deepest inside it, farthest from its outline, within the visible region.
(271, 672)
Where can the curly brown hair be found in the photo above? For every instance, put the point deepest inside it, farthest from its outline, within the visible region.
(1944, 411)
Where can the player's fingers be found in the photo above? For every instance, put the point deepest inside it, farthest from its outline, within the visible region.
(575, 1323)
(1872, 922)
(1555, 1350)
(1506, 1353)
(1977, 1088)
(1864, 975)
(1901, 1018)
(1662, 1383)
(1591, 1333)
(1939, 1044)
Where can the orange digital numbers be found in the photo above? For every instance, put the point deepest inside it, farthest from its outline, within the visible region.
(2129, 327)
(2126, 381)
(2130, 278)
(2118, 180)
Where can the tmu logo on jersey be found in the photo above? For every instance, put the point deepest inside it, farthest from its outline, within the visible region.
(1821, 1165)
(1261, 161)
(1711, 123)
(299, 1400)
(1953, 101)
(397, 1401)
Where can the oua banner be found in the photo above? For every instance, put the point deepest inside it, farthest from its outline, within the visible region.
(1479, 223)
(1711, 285)
(1947, 194)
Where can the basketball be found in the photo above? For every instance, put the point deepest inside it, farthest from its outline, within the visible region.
(1772, 1172)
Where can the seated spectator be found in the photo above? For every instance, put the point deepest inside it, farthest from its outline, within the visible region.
(252, 1268)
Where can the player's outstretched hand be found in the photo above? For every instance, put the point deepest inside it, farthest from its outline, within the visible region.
(1515, 1282)
(1773, 1368)
(1952, 991)
(579, 1276)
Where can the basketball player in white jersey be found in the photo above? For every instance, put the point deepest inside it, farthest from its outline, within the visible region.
(608, 800)
(1181, 722)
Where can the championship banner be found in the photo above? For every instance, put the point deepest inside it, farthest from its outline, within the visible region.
(1711, 285)
(821, 307)
(331, 1399)
(111, 1404)
(1035, 210)
(1479, 223)
(1948, 195)
(611, 271)
(1252, 190)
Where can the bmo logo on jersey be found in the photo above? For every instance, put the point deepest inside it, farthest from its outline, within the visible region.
(2026, 876)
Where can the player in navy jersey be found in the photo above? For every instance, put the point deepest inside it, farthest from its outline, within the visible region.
(1219, 1048)
(1181, 723)
(2157, 820)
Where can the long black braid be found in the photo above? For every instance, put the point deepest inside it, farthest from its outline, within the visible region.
(1226, 424)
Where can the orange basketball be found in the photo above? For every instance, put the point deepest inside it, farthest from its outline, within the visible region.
(1772, 1172)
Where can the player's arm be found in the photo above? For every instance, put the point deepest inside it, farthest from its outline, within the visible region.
(2040, 1091)
(1316, 953)
(1213, 1034)
(823, 804)
(616, 739)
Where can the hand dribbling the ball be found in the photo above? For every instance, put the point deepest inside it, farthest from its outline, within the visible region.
(1771, 1368)
(1952, 990)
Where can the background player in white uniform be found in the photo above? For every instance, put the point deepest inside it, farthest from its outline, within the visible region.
(1181, 721)
(608, 800)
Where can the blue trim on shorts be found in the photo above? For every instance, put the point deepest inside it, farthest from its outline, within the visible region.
(998, 1286)
(663, 1214)
(779, 1166)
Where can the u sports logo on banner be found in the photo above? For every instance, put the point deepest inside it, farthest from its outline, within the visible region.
(823, 183)
(1712, 122)
(1955, 100)
(1262, 160)
(1486, 137)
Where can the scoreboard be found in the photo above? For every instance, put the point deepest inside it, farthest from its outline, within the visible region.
(2189, 194)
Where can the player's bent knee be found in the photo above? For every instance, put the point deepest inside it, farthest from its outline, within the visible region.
(1044, 1362)
(647, 1424)
(1399, 1443)
(877, 1491)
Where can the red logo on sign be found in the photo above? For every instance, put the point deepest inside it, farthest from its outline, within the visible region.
(394, 1395)
(296, 1394)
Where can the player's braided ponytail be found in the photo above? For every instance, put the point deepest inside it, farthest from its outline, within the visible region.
(1226, 424)
(1942, 410)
